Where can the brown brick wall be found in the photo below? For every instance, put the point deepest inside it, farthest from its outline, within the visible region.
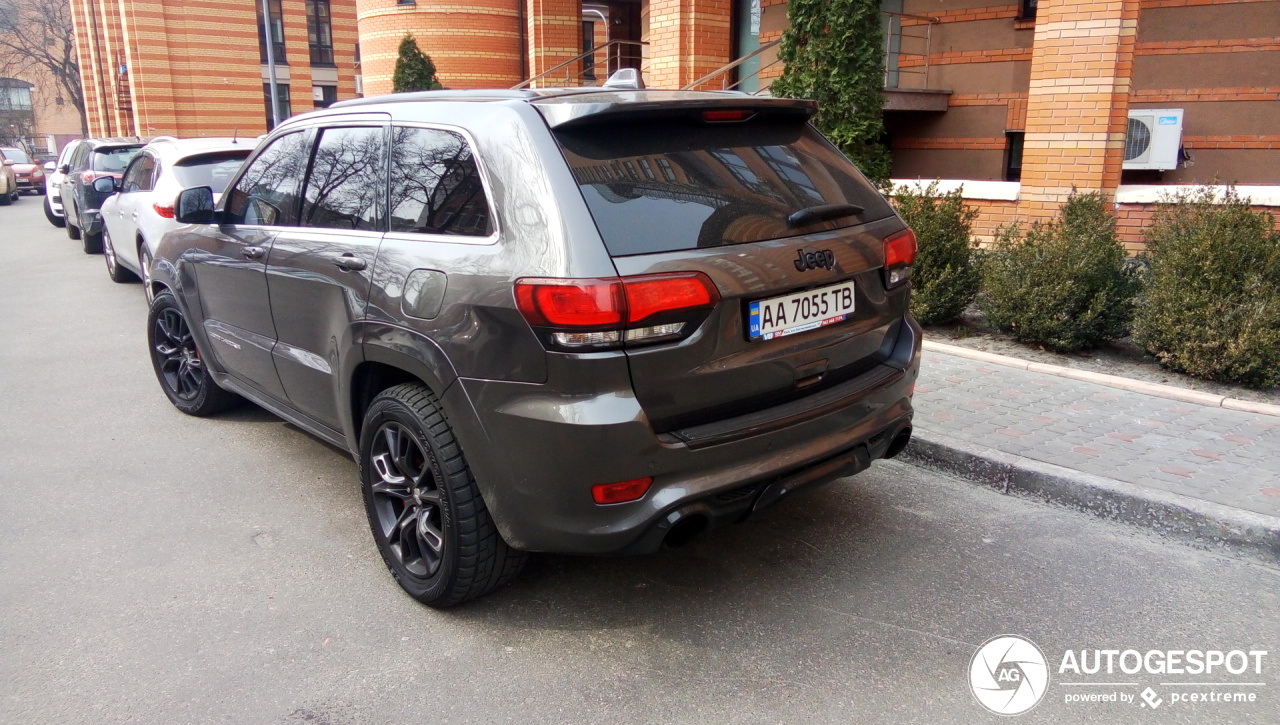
(687, 40)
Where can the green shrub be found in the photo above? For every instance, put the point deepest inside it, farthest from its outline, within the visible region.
(1211, 303)
(1066, 285)
(945, 278)
(414, 69)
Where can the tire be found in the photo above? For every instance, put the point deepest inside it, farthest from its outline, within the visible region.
(178, 363)
(92, 242)
(54, 219)
(73, 231)
(6, 199)
(144, 264)
(41, 191)
(413, 475)
(118, 274)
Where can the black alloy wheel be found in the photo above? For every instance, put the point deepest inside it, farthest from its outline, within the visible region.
(179, 366)
(406, 501)
(425, 511)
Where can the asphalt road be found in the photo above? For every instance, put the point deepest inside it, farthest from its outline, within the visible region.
(157, 568)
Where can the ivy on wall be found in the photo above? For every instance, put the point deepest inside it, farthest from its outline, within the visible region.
(834, 54)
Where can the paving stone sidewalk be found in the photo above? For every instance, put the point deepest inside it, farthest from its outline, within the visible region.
(1212, 454)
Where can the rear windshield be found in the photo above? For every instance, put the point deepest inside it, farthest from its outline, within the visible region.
(673, 185)
(113, 161)
(211, 170)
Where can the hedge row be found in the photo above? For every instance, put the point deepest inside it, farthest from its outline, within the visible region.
(1203, 299)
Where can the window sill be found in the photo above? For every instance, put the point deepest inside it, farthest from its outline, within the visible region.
(1024, 24)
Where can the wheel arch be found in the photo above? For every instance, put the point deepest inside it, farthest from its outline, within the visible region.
(383, 368)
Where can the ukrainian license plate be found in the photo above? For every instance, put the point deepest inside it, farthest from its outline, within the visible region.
(799, 312)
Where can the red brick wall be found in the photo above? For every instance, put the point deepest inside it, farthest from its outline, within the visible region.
(687, 40)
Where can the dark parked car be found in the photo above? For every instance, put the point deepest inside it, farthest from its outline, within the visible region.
(93, 159)
(575, 321)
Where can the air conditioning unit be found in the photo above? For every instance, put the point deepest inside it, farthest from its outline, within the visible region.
(1154, 139)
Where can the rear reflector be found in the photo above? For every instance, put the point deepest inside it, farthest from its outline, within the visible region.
(164, 211)
(606, 493)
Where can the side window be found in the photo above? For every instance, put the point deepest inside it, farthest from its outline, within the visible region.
(435, 185)
(139, 175)
(78, 159)
(346, 188)
(267, 192)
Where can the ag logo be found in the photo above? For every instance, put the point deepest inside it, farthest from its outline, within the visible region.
(1008, 675)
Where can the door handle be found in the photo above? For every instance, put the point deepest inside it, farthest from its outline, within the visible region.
(349, 262)
(253, 252)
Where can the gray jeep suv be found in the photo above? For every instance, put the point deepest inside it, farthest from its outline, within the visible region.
(577, 320)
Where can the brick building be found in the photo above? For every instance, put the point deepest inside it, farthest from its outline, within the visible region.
(198, 68)
(1019, 101)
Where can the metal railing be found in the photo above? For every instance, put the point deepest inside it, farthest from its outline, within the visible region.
(906, 41)
(723, 71)
(618, 54)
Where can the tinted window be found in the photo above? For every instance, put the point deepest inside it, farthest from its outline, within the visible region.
(140, 175)
(435, 185)
(708, 186)
(267, 193)
(212, 170)
(347, 183)
(18, 156)
(113, 161)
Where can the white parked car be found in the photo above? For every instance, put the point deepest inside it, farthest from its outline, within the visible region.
(142, 211)
(53, 185)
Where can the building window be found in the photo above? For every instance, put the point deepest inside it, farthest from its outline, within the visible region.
(1013, 155)
(319, 32)
(282, 95)
(406, 2)
(277, 32)
(324, 96)
(1027, 10)
(357, 61)
(588, 42)
(15, 95)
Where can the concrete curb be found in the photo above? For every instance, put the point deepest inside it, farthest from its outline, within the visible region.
(1112, 381)
(1200, 523)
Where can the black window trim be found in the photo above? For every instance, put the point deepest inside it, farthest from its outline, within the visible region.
(1027, 9)
(494, 220)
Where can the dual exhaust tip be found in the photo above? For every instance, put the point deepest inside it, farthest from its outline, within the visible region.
(690, 527)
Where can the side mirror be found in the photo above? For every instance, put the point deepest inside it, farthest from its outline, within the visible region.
(50, 167)
(64, 169)
(104, 185)
(194, 206)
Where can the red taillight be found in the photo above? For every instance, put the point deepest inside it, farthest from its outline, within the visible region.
(164, 211)
(612, 308)
(650, 295)
(571, 302)
(900, 248)
(88, 177)
(606, 493)
(726, 116)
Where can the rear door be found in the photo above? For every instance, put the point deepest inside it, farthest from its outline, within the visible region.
(135, 193)
(786, 227)
(320, 271)
(231, 269)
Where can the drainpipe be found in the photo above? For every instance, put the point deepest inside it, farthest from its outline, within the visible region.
(271, 63)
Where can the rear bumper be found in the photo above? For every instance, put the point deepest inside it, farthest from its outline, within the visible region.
(90, 221)
(537, 452)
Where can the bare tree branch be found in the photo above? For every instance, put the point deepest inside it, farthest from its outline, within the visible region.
(37, 37)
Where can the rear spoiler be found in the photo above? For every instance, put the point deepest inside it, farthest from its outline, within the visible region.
(580, 109)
